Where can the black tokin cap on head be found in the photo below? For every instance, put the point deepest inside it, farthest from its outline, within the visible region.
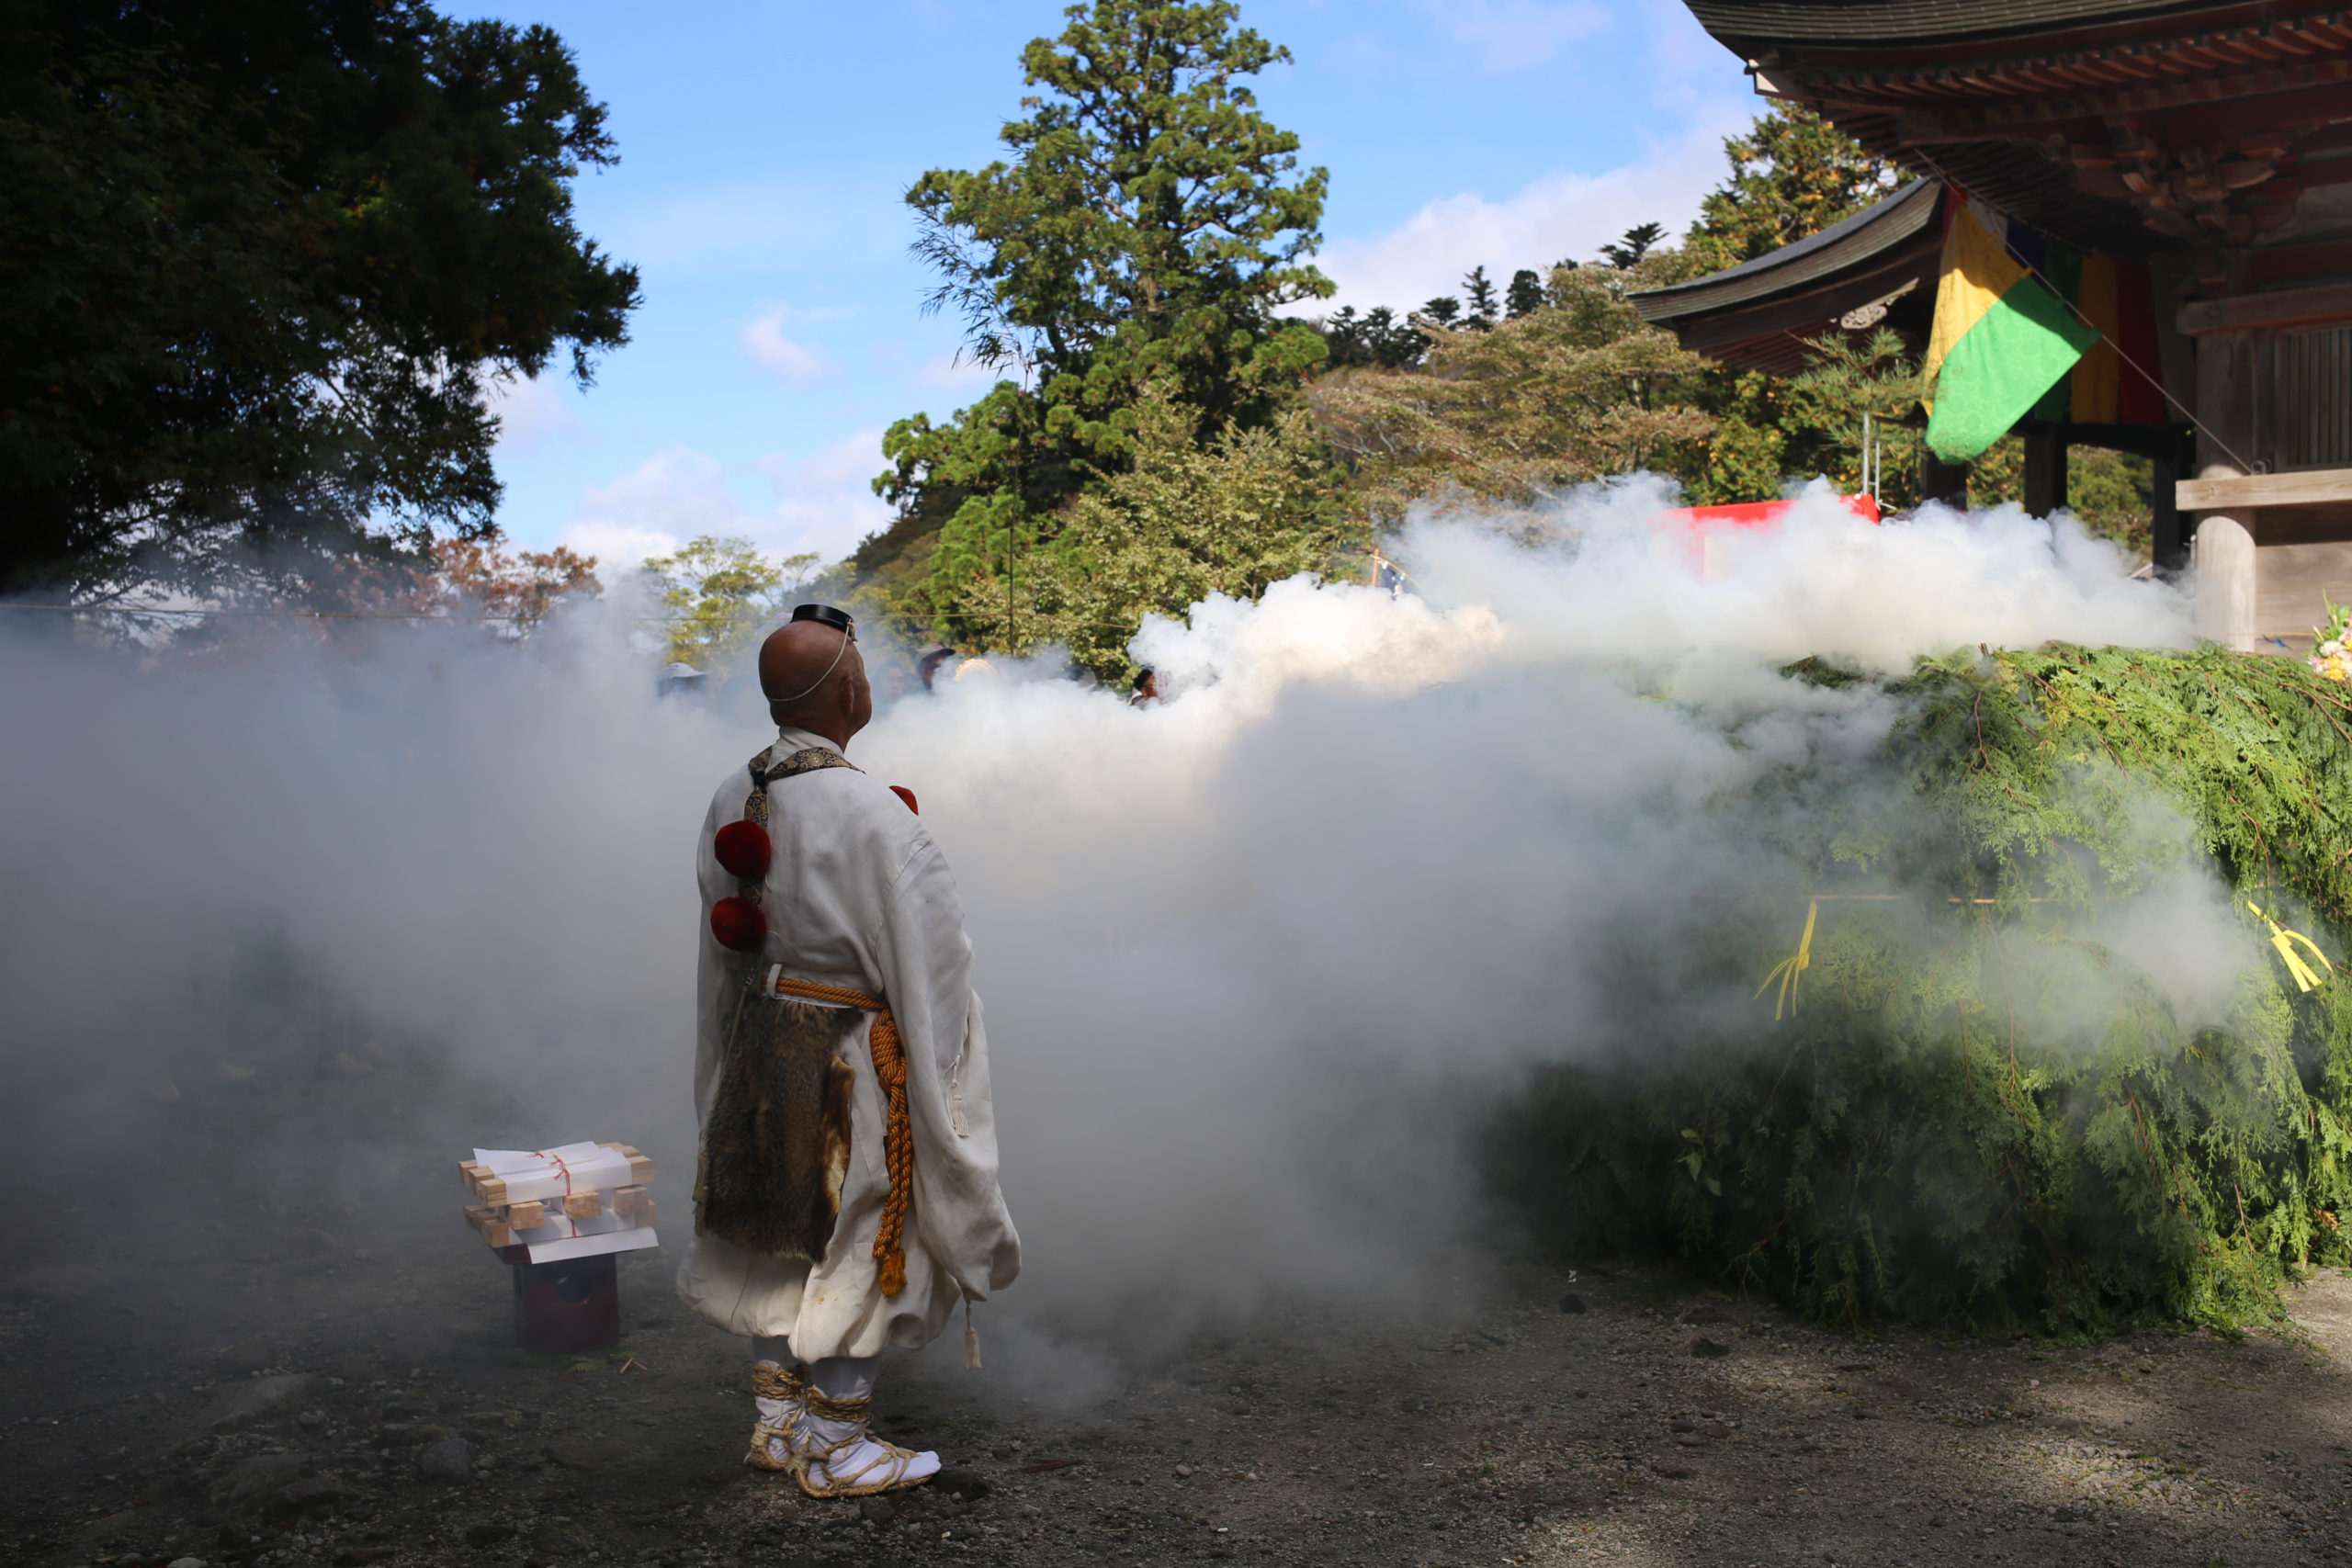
(826, 615)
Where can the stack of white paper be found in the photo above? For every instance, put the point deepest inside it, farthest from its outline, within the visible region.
(573, 1201)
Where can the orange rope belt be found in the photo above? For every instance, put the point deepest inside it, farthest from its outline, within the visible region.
(898, 1134)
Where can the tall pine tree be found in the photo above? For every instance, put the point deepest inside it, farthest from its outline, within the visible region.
(1142, 237)
(1481, 292)
(1792, 174)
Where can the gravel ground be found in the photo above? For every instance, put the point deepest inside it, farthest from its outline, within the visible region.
(245, 1393)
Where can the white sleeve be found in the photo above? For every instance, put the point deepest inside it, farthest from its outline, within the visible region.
(926, 962)
(927, 959)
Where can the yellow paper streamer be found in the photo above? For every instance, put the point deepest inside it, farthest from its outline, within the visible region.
(2306, 978)
(1788, 969)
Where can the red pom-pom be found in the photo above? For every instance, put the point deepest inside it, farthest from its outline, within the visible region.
(903, 793)
(743, 849)
(738, 924)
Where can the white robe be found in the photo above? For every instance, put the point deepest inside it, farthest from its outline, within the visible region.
(857, 894)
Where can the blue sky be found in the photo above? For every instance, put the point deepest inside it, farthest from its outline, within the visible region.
(764, 148)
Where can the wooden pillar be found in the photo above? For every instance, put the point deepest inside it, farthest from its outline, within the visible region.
(2221, 560)
(2045, 470)
(2170, 546)
(1939, 480)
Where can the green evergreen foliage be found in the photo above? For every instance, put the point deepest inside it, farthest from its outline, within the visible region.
(1794, 173)
(1376, 337)
(1480, 290)
(1525, 294)
(1637, 242)
(1980, 1116)
(1511, 418)
(265, 260)
(2113, 493)
(1183, 523)
(1767, 427)
(1142, 237)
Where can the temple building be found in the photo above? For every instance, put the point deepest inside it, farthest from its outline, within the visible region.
(2178, 174)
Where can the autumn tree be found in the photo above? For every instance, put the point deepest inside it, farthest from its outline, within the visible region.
(513, 591)
(1140, 240)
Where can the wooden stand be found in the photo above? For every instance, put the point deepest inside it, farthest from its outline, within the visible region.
(562, 1309)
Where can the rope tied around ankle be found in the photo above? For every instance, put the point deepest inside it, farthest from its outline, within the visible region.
(825, 1407)
(777, 1382)
(898, 1131)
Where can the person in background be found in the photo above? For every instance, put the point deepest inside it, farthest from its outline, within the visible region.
(846, 1197)
(1146, 688)
(680, 679)
(928, 661)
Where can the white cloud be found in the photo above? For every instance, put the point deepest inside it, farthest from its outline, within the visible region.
(827, 503)
(1559, 217)
(794, 364)
(1515, 35)
(655, 507)
(530, 409)
(823, 503)
(956, 372)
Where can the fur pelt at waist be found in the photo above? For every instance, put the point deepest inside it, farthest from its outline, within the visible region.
(775, 1144)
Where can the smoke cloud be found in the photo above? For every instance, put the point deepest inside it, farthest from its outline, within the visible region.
(1253, 958)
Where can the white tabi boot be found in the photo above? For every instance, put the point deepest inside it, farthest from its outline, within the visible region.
(839, 1457)
(781, 1394)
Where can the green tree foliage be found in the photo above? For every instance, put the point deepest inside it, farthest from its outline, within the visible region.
(1146, 230)
(717, 591)
(1376, 337)
(1513, 416)
(1979, 1116)
(1525, 294)
(1637, 242)
(2113, 493)
(1504, 432)
(1768, 427)
(1792, 175)
(1480, 292)
(262, 261)
(1185, 521)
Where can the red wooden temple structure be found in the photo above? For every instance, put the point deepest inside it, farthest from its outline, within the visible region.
(2201, 152)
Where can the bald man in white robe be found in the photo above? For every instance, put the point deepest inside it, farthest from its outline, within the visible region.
(857, 902)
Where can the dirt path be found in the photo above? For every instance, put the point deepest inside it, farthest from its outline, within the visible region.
(269, 1407)
(266, 1378)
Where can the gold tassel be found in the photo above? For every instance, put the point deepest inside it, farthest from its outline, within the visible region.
(1787, 970)
(971, 1339)
(2306, 978)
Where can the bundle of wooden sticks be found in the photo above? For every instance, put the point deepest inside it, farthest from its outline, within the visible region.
(573, 1202)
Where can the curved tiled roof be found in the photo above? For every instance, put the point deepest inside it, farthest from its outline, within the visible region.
(1846, 243)
(1910, 21)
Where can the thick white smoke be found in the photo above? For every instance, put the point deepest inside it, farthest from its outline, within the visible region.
(1250, 956)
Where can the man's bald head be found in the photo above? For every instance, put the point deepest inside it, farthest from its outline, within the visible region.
(815, 680)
